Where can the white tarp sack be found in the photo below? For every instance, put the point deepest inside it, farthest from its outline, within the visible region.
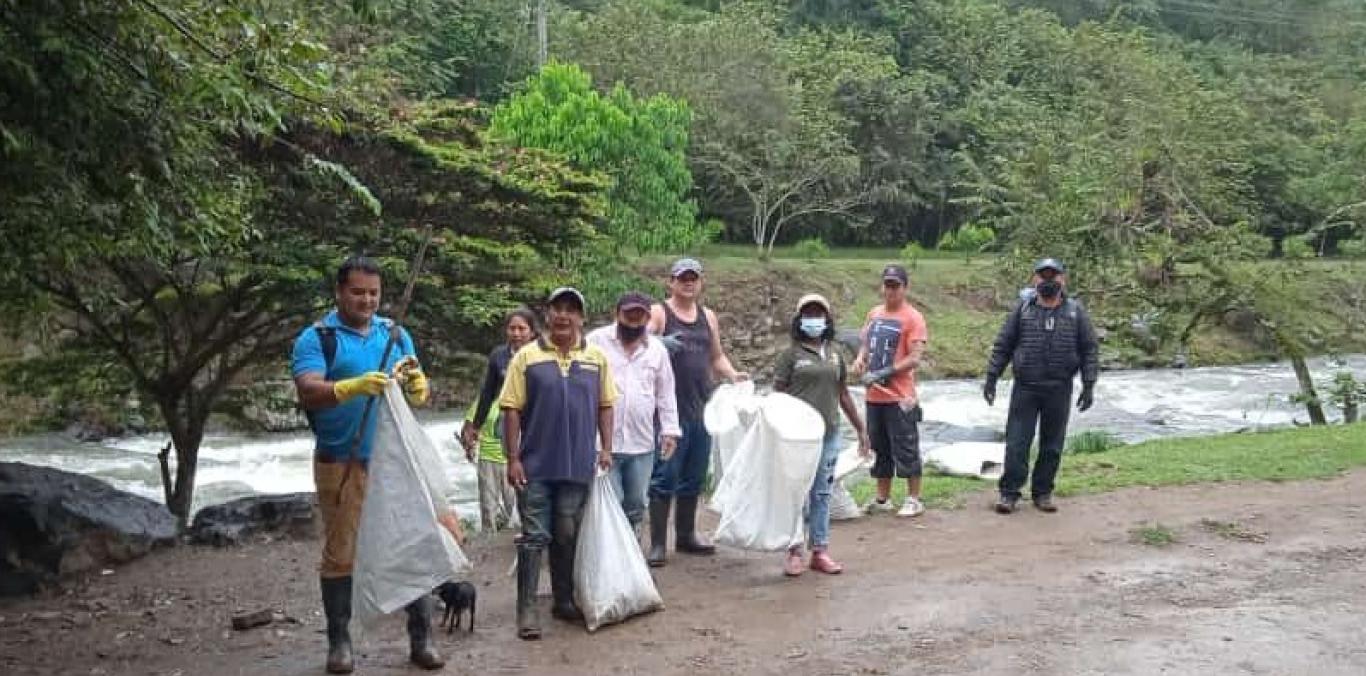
(402, 549)
(611, 579)
(980, 459)
(727, 416)
(842, 504)
(764, 488)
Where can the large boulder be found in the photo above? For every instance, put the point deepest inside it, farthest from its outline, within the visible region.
(55, 523)
(288, 515)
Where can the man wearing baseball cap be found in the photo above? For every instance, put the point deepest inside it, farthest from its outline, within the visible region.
(693, 338)
(558, 392)
(645, 385)
(1046, 339)
(894, 337)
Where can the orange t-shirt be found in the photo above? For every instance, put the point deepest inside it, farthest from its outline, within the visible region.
(888, 336)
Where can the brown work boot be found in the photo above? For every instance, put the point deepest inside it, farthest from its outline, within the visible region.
(1045, 503)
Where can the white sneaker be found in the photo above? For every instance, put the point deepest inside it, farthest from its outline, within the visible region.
(875, 507)
(911, 507)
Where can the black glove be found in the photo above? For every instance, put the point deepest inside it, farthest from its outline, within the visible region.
(989, 391)
(878, 377)
(1087, 397)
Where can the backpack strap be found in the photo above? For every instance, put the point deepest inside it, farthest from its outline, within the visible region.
(327, 339)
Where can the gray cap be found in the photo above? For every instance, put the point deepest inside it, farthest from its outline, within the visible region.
(1050, 264)
(683, 265)
(567, 291)
(895, 272)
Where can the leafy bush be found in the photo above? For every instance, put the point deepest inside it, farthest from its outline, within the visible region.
(911, 254)
(1092, 441)
(969, 239)
(811, 249)
(1297, 247)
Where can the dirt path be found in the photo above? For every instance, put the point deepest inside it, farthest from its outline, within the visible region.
(1263, 579)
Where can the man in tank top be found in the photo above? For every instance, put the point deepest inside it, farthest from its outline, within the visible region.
(691, 334)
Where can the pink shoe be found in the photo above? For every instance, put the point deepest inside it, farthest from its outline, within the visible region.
(821, 561)
(792, 566)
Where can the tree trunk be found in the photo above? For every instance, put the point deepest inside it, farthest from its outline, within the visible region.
(1350, 412)
(1307, 391)
(186, 424)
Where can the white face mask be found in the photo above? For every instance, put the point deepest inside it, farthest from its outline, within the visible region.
(812, 327)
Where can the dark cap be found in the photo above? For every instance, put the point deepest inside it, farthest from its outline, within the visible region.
(634, 300)
(1050, 264)
(896, 272)
(683, 265)
(563, 291)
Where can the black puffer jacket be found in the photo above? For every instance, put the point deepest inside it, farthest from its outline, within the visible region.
(1047, 346)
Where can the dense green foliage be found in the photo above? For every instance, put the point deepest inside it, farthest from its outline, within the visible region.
(639, 144)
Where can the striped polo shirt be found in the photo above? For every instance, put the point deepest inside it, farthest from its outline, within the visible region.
(558, 396)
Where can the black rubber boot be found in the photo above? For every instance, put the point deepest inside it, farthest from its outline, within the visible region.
(686, 538)
(659, 531)
(528, 578)
(422, 650)
(562, 582)
(337, 611)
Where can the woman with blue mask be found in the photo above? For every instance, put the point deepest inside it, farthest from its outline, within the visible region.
(813, 370)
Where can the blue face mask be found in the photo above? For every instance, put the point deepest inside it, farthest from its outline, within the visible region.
(813, 327)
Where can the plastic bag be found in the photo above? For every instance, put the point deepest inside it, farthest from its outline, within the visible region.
(842, 504)
(765, 485)
(402, 549)
(979, 459)
(611, 579)
(727, 416)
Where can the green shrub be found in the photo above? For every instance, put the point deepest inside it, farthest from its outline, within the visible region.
(1092, 441)
(969, 239)
(1297, 247)
(911, 254)
(811, 249)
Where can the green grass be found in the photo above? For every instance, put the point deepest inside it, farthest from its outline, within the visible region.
(1281, 455)
(1092, 441)
(1153, 535)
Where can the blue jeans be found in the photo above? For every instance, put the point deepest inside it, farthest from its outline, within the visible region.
(551, 512)
(631, 475)
(683, 474)
(818, 501)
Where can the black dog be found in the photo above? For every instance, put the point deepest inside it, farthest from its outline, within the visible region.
(458, 597)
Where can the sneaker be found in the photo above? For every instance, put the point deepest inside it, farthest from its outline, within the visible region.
(1045, 503)
(1006, 505)
(792, 565)
(821, 562)
(879, 506)
(911, 507)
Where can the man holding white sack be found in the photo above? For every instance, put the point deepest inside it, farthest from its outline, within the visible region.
(557, 395)
(645, 380)
(336, 368)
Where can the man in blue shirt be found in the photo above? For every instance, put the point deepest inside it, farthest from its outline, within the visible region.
(336, 367)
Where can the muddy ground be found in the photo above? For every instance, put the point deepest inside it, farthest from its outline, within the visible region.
(1262, 579)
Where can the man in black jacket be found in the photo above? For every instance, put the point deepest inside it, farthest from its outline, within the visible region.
(1047, 338)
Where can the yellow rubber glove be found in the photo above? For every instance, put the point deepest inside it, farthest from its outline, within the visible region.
(370, 384)
(409, 372)
(417, 388)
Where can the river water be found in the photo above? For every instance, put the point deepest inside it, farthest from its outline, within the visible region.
(1134, 405)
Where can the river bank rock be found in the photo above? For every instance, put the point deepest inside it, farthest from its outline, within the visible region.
(290, 515)
(57, 523)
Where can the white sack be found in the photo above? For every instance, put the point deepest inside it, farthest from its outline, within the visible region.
(611, 579)
(402, 552)
(980, 459)
(842, 504)
(727, 416)
(765, 485)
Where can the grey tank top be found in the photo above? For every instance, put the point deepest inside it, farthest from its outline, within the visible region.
(692, 364)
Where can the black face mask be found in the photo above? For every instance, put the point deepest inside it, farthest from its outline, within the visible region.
(1049, 288)
(630, 334)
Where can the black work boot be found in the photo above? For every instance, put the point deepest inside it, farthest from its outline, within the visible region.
(1006, 504)
(337, 611)
(686, 538)
(422, 651)
(562, 583)
(528, 578)
(659, 531)
(1045, 503)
